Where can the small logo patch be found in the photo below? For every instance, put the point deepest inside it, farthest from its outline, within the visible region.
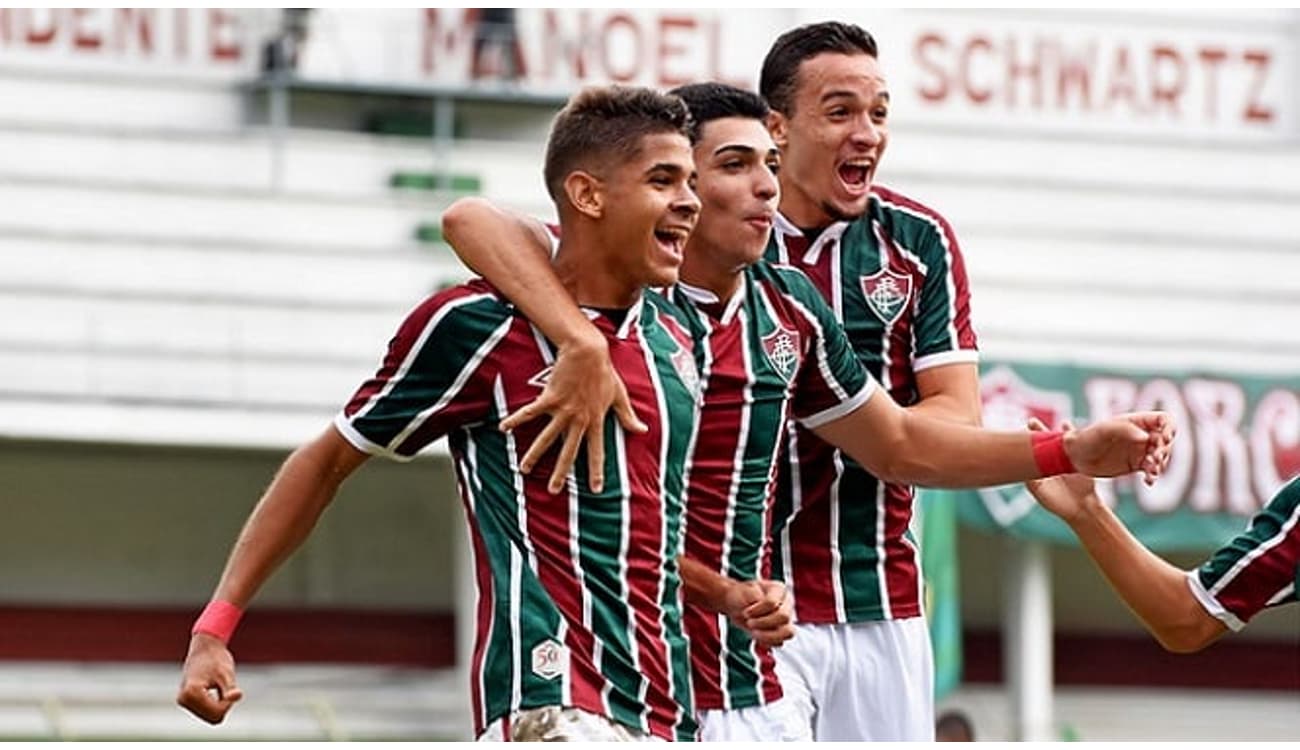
(542, 378)
(782, 349)
(887, 293)
(550, 660)
(684, 364)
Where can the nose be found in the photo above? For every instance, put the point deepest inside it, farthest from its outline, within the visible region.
(687, 203)
(766, 186)
(867, 134)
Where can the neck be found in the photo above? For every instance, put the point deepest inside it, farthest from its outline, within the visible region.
(800, 208)
(723, 281)
(593, 278)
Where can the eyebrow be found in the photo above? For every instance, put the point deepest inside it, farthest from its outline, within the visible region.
(737, 147)
(666, 166)
(846, 94)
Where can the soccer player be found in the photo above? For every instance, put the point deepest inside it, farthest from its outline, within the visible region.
(769, 349)
(1186, 610)
(861, 666)
(579, 621)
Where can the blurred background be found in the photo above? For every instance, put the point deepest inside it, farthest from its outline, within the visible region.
(211, 221)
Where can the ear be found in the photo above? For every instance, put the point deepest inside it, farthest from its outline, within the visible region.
(585, 193)
(779, 126)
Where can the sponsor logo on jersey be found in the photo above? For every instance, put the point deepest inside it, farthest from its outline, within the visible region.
(1009, 402)
(782, 349)
(887, 293)
(542, 378)
(550, 659)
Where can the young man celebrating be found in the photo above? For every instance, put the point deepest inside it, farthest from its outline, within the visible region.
(579, 621)
(861, 667)
(770, 350)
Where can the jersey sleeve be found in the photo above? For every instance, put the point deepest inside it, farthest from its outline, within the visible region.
(1259, 568)
(435, 377)
(944, 333)
(831, 381)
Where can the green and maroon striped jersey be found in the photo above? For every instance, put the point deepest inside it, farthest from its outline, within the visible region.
(772, 352)
(1260, 568)
(578, 593)
(896, 281)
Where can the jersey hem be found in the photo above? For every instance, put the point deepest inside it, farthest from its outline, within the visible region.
(362, 443)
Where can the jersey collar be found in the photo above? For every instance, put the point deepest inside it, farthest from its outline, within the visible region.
(702, 296)
(786, 228)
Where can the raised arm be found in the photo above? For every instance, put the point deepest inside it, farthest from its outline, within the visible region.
(1154, 590)
(901, 446)
(513, 253)
(283, 518)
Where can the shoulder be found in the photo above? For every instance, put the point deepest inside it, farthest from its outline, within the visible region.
(463, 307)
(787, 281)
(663, 312)
(910, 221)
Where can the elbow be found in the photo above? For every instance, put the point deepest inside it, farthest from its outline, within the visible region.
(1183, 641)
(460, 215)
(1192, 633)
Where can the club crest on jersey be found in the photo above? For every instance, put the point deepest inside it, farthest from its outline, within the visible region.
(782, 349)
(542, 377)
(887, 293)
(684, 364)
(1009, 402)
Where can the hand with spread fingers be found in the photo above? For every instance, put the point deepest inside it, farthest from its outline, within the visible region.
(581, 389)
(1140, 441)
(761, 607)
(208, 688)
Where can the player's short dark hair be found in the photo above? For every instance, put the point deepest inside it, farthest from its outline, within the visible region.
(715, 101)
(954, 725)
(779, 78)
(608, 122)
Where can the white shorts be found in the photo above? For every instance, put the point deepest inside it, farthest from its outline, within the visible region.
(778, 721)
(862, 681)
(556, 724)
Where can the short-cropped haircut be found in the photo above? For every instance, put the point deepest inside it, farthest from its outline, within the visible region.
(603, 123)
(715, 101)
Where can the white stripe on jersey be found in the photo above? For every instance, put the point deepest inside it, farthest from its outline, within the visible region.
(516, 563)
(837, 557)
(664, 425)
(411, 356)
(796, 503)
(887, 611)
(461, 379)
(469, 472)
(1254, 554)
(737, 462)
(1286, 591)
(949, 280)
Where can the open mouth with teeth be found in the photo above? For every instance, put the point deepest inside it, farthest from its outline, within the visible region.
(672, 240)
(855, 175)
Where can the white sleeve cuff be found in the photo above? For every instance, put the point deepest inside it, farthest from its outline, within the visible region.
(938, 359)
(361, 442)
(843, 408)
(1211, 604)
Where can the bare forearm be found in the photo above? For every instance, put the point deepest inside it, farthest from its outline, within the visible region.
(702, 585)
(282, 519)
(512, 252)
(1153, 589)
(950, 408)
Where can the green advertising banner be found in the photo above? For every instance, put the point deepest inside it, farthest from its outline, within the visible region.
(1238, 443)
(936, 514)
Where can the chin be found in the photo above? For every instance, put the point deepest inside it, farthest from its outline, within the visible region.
(663, 277)
(847, 210)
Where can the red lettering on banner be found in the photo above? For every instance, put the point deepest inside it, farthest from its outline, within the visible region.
(627, 22)
(1222, 466)
(83, 38)
(221, 27)
(1075, 74)
(1259, 62)
(1168, 92)
(1211, 59)
(1031, 70)
(139, 20)
(924, 44)
(979, 96)
(181, 32)
(1275, 441)
(1123, 85)
(669, 26)
(571, 49)
(38, 36)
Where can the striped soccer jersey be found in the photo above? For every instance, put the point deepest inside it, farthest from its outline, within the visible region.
(578, 593)
(1259, 568)
(896, 280)
(774, 351)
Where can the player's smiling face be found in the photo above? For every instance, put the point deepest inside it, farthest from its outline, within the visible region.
(833, 138)
(652, 209)
(738, 190)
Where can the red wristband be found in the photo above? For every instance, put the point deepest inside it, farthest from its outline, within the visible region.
(1050, 455)
(218, 620)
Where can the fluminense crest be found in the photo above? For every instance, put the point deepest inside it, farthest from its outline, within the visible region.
(887, 293)
(782, 349)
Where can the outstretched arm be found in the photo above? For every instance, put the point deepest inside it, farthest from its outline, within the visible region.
(282, 520)
(900, 446)
(951, 393)
(513, 253)
(1154, 590)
